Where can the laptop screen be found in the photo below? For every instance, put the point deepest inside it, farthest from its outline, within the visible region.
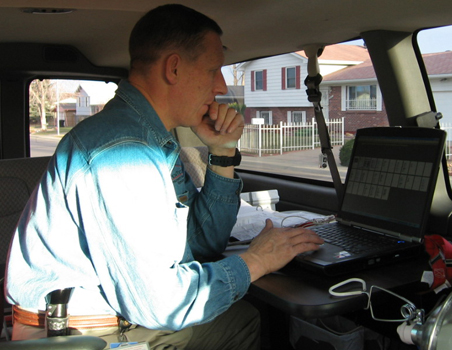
(391, 178)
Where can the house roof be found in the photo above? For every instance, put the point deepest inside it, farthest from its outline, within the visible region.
(341, 52)
(436, 64)
(361, 71)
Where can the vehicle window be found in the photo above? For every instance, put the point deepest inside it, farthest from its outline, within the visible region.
(56, 106)
(280, 135)
(436, 49)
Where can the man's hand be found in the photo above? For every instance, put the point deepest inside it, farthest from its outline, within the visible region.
(273, 248)
(220, 129)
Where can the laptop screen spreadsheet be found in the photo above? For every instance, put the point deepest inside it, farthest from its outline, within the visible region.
(389, 181)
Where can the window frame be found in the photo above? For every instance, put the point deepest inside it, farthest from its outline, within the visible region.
(264, 114)
(374, 105)
(292, 79)
(254, 80)
(303, 115)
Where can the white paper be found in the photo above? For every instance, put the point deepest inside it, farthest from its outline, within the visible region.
(251, 220)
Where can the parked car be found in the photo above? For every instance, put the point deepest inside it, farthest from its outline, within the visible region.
(87, 41)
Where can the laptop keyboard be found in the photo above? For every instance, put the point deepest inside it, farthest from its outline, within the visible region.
(352, 239)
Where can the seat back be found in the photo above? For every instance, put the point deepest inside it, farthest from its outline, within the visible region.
(18, 178)
(195, 163)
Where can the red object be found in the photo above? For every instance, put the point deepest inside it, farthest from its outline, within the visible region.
(440, 251)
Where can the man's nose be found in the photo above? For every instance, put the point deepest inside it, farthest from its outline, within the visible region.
(220, 86)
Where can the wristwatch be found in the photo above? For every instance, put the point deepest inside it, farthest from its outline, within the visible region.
(224, 161)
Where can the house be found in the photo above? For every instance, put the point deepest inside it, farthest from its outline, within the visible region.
(73, 110)
(354, 93)
(274, 86)
(275, 91)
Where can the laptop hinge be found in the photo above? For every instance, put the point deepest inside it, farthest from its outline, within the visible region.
(380, 231)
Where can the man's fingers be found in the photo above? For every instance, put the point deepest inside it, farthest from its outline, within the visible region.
(213, 110)
(228, 120)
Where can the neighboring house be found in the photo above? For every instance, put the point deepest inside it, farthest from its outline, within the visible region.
(74, 109)
(275, 90)
(439, 70)
(355, 95)
(274, 86)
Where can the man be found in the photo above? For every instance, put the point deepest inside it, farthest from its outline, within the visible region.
(117, 218)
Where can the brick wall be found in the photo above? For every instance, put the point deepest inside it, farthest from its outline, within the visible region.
(278, 113)
(354, 119)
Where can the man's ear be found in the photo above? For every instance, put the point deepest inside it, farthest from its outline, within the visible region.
(172, 65)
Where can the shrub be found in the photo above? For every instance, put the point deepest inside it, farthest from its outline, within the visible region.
(346, 152)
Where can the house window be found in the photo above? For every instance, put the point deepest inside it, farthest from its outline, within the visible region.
(267, 116)
(290, 78)
(83, 101)
(298, 117)
(363, 97)
(259, 80)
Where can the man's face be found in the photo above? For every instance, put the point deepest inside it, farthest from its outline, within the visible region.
(201, 81)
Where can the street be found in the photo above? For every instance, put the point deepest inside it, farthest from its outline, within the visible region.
(297, 163)
(43, 145)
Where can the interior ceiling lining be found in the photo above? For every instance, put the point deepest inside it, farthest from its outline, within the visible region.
(275, 26)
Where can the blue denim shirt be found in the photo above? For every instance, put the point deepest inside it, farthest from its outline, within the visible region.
(116, 217)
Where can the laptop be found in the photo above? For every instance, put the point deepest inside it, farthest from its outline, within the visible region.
(388, 193)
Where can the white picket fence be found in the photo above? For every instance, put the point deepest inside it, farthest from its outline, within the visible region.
(285, 137)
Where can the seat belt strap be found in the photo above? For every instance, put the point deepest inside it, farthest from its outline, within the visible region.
(312, 83)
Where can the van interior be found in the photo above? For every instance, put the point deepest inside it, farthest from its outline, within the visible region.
(86, 41)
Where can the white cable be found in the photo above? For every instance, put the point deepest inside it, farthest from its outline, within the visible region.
(346, 294)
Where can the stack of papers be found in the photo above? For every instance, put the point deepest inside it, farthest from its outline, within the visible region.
(251, 220)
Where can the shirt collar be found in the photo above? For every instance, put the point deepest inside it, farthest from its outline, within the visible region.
(148, 116)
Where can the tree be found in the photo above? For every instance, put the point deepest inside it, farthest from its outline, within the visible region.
(239, 76)
(42, 98)
(238, 107)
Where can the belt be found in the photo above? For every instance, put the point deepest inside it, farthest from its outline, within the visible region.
(29, 318)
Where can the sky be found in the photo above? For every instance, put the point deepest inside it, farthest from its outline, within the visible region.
(435, 40)
(431, 40)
